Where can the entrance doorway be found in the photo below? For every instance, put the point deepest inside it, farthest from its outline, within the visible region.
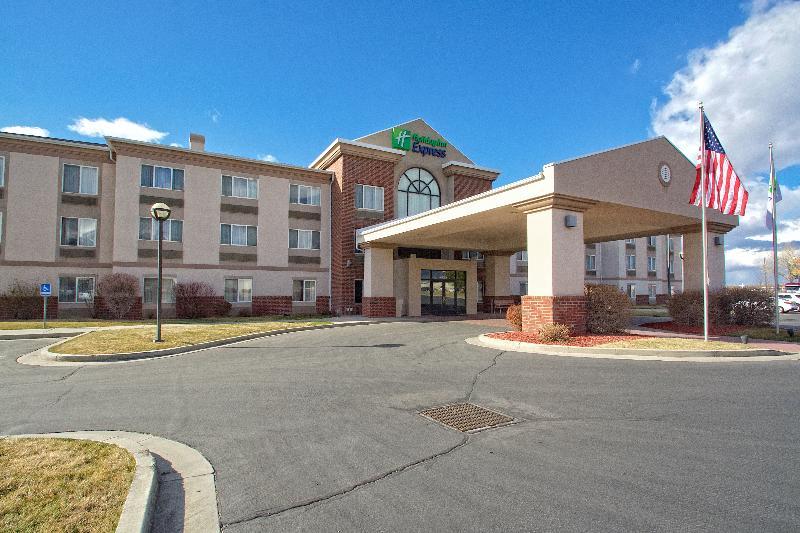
(443, 292)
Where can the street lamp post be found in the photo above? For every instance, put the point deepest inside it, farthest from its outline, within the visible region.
(160, 212)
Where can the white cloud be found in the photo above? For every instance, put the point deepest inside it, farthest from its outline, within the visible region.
(119, 127)
(26, 130)
(748, 84)
(214, 115)
(176, 145)
(635, 66)
(268, 158)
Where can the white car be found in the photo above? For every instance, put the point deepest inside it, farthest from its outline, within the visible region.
(789, 302)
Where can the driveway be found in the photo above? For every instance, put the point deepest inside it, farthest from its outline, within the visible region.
(318, 431)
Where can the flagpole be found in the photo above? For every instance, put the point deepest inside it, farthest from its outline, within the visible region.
(773, 190)
(703, 211)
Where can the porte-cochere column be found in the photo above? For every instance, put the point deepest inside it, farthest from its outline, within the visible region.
(378, 299)
(555, 267)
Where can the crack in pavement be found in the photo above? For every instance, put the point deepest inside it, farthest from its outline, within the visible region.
(341, 492)
(267, 513)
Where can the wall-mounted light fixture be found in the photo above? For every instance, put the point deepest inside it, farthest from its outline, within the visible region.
(570, 221)
(718, 240)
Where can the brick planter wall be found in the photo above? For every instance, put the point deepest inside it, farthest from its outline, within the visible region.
(27, 308)
(378, 306)
(642, 299)
(540, 310)
(662, 299)
(323, 305)
(272, 305)
(101, 311)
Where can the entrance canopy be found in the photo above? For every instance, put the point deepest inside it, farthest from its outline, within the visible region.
(632, 191)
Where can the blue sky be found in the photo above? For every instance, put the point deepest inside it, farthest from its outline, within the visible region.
(513, 85)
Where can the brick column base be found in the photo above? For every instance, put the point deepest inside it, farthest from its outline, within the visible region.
(662, 299)
(540, 310)
(378, 306)
(323, 305)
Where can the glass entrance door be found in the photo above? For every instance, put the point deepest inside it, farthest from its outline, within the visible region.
(443, 292)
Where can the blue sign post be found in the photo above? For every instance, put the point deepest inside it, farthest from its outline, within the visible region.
(45, 290)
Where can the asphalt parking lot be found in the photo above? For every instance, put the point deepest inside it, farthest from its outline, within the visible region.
(319, 431)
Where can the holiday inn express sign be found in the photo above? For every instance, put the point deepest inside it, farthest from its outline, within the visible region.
(404, 139)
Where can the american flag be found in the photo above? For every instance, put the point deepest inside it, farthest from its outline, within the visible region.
(724, 190)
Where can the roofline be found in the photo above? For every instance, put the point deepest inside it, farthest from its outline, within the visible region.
(117, 140)
(449, 144)
(53, 140)
(473, 167)
(485, 194)
(611, 150)
(359, 144)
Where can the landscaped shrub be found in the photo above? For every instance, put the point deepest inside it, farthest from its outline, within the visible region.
(197, 299)
(514, 317)
(118, 293)
(686, 308)
(608, 309)
(23, 299)
(729, 306)
(554, 333)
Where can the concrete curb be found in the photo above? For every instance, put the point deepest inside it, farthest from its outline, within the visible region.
(634, 354)
(43, 335)
(139, 507)
(49, 355)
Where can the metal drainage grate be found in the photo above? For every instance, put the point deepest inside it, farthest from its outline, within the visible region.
(466, 417)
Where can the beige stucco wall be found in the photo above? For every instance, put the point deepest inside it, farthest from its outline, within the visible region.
(126, 209)
(378, 272)
(201, 215)
(498, 275)
(273, 221)
(693, 262)
(32, 208)
(559, 268)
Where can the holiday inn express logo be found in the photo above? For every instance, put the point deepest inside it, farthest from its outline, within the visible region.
(403, 139)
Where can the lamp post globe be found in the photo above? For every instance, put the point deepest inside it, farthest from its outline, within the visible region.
(160, 212)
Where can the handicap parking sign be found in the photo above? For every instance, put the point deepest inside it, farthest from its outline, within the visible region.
(45, 289)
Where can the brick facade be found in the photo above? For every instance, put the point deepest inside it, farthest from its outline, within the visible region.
(642, 299)
(465, 186)
(540, 310)
(379, 306)
(346, 265)
(323, 305)
(271, 305)
(662, 299)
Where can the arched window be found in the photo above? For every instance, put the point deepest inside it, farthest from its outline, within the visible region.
(417, 192)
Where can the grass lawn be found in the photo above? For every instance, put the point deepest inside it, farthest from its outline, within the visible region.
(62, 485)
(649, 311)
(660, 343)
(95, 323)
(174, 335)
(769, 334)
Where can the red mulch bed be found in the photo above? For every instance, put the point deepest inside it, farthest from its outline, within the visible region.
(577, 340)
(716, 331)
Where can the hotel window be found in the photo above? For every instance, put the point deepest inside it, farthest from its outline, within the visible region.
(78, 232)
(417, 192)
(162, 177)
(239, 187)
(303, 194)
(630, 262)
(75, 289)
(651, 264)
(369, 197)
(358, 291)
(356, 247)
(148, 230)
(238, 235)
(630, 241)
(522, 256)
(304, 290)
(239, 290)
(150, 293)
(304, 239)
(591, 262)
(479, 292)
(2, 171)
(523, 288)
(651, 241)
(79, 179)
(651, 291)
(471, 255)
(631, 291)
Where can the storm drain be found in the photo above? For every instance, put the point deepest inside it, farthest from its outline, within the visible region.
(466, 417)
